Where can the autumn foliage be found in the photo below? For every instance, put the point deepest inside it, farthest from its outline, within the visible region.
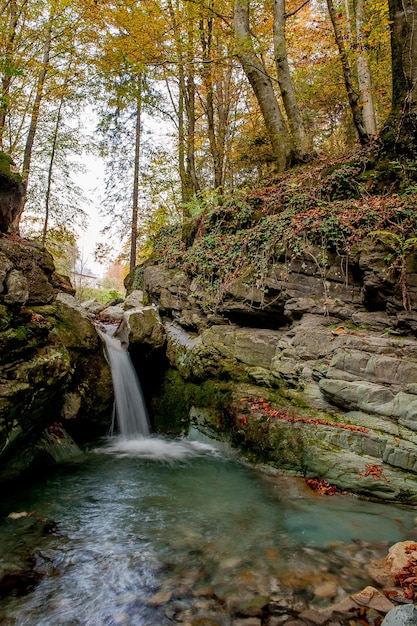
(266, 409)
(407, 577)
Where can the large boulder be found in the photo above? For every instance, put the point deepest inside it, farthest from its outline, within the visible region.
(52, 367)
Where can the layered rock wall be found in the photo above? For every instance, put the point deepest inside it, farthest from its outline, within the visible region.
(328, 348)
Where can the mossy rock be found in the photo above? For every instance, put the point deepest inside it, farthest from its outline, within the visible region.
(7, 176)
(170, 406)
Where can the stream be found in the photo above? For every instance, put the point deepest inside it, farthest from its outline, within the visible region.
(150, 531)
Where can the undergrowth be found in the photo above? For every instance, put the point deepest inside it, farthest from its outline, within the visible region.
(305, 214)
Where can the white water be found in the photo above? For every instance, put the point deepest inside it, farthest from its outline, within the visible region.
(131, 413)
(158, 448)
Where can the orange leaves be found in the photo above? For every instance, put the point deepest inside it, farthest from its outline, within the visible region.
(260, 405)
(323, 487)
(407, 577)
(375, 471)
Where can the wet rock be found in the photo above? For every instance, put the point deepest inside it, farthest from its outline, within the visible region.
(368, 598)
(327, 589)
(161, 597)
(384, 570)
(401, 616)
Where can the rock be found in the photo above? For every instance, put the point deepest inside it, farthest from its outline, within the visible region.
(52, 365)
(368, 598)
(133, 300)
(373, 599)
(327, 589)
(142, 327)
(93, 306)
(111, 313)
(247, 621)
(76, 329)
(17, 288)
(405, 615)
(161, 597)
(384, 570)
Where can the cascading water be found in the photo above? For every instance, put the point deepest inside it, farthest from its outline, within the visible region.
(132, 416)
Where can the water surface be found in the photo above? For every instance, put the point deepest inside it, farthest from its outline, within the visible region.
(149, 532)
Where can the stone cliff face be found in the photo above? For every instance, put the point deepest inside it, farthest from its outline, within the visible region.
(53, 375)
(316, 372)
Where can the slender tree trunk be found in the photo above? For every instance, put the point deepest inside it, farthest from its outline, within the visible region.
(50, 171)
(216, 140)
(262, 86)
(352, 94)
(403, 15)
(190, 91)
(399, 136)
(295, 120)
(135, 207)
(364, 73)
(186, 112)
(33, 126)
(7, 66)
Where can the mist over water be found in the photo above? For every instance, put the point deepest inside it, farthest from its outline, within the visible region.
(157, 448)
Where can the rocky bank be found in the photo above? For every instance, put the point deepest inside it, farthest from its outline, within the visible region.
(315, 373)
(54, 379)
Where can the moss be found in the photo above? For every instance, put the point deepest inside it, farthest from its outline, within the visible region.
(6, 175)
(5, 317)
(170, 408)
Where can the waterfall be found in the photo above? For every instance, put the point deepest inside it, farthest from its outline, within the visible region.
(132, 416)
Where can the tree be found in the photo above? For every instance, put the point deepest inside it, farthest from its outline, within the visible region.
(399, 136)
(262, 85)
(351, 90)
(302, 143)
(364, 72)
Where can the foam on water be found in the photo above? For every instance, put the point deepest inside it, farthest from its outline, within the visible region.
(158, 448)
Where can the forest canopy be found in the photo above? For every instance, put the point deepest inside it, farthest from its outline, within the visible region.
(231, 92)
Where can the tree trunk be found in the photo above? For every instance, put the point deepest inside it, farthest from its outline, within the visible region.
(352, 94)
(33, 126)
(301, 140)
(50, 171)
(364, 73)
(135, 203)
(216, 131)
(186, 108)
(262, 86)
(399, 136)
(7, 66)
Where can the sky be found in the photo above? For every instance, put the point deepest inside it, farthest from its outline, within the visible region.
(92, 184)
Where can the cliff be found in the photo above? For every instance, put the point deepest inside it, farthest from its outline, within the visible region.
(292, 331)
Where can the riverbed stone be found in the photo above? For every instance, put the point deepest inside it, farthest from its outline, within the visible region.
(399, 555)
(405, 615)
